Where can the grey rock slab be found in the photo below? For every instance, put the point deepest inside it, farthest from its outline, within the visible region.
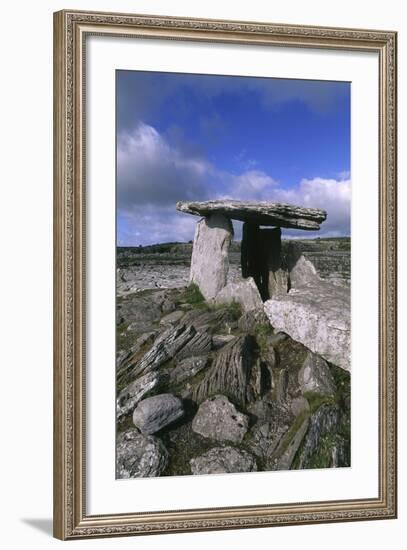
(244, 292)
(230, 371)
(301, 271)
(165, 347)
(286, 458)
(199, 344)
(318, 316)
(188, 368)
(218, 419)
(154, 413)
(264, 438)
(172, 318)
(223, 460)
(210, 261)
(261, 213)
(324, 421)
(299, 405)
(134, 392)
(126, 357)
(315, 376)
(220, 340)
(138, 455)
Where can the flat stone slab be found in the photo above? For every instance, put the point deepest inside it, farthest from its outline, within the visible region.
(260, 213)
(318, 316)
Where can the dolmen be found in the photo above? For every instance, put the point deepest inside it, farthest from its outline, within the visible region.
(295, 299)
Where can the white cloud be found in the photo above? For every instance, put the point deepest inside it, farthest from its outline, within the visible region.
(153, 176)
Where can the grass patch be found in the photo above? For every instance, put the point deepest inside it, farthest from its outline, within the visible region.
(193, 296)
(234, 309)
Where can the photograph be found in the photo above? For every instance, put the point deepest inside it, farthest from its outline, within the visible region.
(233, 274)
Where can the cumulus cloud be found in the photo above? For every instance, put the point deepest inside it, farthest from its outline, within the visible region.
(152, 176)
(331, 195)
(149, 171)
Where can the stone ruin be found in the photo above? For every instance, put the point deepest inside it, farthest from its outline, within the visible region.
(286, 287)
(262, 262)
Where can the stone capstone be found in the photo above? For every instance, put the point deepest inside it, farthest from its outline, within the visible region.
(217, 418)
(154, 413)
(138, 455)
(223, 460)
(210, 262)
(260, 213)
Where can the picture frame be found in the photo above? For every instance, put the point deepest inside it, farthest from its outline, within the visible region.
(72, 29)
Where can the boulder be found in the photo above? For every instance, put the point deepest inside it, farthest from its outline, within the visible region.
(315, 376)
(210, 262)
(230, 371)
(223, 460)
(138, 455)
(260, 213)
(217, 418)
(301, 271)
(244, 292)
(134, 392)
(318, 316)
(154, 413)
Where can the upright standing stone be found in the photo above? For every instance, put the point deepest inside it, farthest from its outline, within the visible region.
(210, 262)
(274, 269)
(261, 259)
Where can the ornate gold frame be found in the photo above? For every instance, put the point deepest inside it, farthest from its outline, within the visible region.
(70, 518)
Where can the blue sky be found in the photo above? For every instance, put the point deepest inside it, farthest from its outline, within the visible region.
(200, 137)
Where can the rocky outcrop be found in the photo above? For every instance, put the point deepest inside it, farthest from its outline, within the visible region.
(199, 344)
(154, 413)
(265, 438)
(138, 455)
(218, 419)
(223, 460)
(324, 422)
(210, 262)
(318, 316)
(134, 392)
(164, 348)
(260, 213)
(230, 372)
(289, 446)
(315, 376)
(188, 368)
